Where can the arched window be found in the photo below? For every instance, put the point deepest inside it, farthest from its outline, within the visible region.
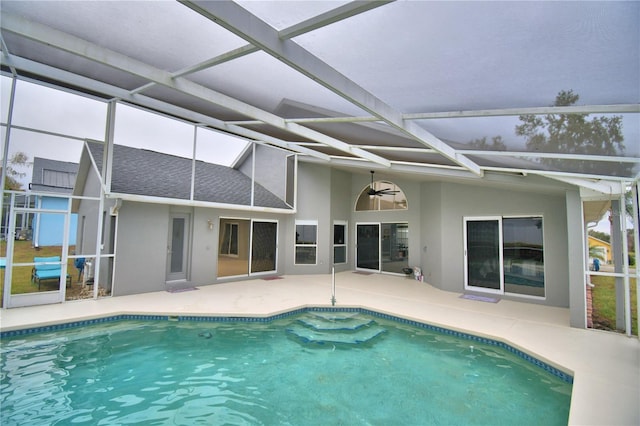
(381, 195)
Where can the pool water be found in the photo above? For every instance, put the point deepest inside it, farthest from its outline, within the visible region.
(307, 369)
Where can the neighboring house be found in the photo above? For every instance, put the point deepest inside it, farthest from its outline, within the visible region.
(56, 178)
(455, 231)
(602, 247)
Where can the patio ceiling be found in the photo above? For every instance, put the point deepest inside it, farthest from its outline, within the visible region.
(401, 86)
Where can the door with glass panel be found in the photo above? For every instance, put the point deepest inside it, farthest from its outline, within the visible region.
(368, 246)
(483, 254)
(394, 247)
(264, 247)
(178, 247)
(382, 247)
(505, 255)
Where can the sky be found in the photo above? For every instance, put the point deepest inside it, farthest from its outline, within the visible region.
(78, 118)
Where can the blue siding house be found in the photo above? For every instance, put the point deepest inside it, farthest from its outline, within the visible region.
(55, 177)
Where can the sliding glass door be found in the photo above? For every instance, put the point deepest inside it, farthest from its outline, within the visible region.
(264, 242)
(247, 247)
(382, 247)
(505, 255)
(368, 246)
(483, 255)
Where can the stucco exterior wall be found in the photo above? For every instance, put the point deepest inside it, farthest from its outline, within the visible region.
(314, 203)
(88, 218)
(143, 232)
(435, 217)
(458, 201)
(341, 207)
(270, 169)
(141, 250)
(431, 255)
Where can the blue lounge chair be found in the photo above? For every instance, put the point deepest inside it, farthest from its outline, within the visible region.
(47, 268)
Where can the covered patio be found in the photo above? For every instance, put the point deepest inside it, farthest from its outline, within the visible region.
(538, 99)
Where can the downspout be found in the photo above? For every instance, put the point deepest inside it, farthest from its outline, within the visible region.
(636, 238)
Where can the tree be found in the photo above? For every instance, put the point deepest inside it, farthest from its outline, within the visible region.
(11, 179)
(575, 134)
(496, 145)
(600, 235)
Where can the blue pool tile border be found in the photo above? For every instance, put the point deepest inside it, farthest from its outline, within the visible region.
(136, 317)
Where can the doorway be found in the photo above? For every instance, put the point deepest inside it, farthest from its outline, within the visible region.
(34, 275)
(247, 247)
(382, 247)
(178, 247)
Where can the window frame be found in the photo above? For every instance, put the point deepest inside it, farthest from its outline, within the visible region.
(399, 200)
(501, 246)
(344, 244)
(305, 245)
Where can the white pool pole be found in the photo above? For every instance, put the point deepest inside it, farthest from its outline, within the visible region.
(333, 286)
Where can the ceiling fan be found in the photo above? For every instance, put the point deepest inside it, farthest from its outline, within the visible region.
(372, 192)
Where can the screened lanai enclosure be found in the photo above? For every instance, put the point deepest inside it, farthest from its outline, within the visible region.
(538, 97)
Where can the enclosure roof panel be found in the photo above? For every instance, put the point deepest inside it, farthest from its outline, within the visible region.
(359, 79)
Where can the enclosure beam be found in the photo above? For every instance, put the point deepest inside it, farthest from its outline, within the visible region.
(576, 244)
(579, 109)
(101, 55)
(144, 101)
(241, 22)
(334, 15)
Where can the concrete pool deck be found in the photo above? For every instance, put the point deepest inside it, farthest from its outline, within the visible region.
(605, 366)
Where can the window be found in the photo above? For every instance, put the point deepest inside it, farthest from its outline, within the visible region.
(339, 242)
(306, 242)
(505, 255)
(388, 196)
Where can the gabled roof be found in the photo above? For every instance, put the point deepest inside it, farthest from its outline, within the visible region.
(149, 173)
(53, 176)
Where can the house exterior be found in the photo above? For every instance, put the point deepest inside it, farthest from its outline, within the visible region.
(477, 199)
(56, 178)
(603, 247)
(162, 236)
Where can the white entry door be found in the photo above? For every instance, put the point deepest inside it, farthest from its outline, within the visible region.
(178, 247)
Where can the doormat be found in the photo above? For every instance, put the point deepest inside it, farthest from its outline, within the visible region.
(272, 278)
(181, 290)
(480, 298)
(363, 273)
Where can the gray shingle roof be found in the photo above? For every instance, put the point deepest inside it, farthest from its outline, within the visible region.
(53, 176)
(143, 172)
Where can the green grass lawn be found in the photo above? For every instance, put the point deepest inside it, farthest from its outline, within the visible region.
(21, 275)
(604, 304)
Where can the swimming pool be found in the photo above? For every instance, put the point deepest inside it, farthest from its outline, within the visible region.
(305, 367)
